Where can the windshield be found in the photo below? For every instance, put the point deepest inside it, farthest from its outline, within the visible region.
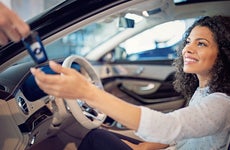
(82, 41)
(86, 39)
(160, 40)
(134, 35)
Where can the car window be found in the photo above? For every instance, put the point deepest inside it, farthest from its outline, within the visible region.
(157, 43)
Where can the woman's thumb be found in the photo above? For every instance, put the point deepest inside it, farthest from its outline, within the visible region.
(57, 68)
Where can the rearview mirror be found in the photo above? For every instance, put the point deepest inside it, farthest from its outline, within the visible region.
(126, 22)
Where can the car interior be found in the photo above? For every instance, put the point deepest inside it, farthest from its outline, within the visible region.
(31, 119)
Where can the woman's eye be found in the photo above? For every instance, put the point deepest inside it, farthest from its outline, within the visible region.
(201, 44)
(187, 42)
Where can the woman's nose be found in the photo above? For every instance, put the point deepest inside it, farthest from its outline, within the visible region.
(188, 49)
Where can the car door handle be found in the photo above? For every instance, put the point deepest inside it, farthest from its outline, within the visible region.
(148, 87)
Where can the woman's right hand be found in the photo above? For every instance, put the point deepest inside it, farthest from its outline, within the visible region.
(67, 83)
(12, 28)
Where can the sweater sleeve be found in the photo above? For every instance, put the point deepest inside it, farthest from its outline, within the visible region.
(188, 122)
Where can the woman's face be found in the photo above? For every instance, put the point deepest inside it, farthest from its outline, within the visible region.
(200, 52)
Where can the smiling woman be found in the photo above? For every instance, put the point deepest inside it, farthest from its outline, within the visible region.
(201, 53)
(136, 92)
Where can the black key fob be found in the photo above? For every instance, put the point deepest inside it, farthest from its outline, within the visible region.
(35, 47)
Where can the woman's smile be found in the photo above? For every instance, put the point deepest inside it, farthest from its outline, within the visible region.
(189, 60)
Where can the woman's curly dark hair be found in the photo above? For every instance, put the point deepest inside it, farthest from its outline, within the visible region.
(187, 83)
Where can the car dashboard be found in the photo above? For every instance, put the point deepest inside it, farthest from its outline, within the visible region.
(28, 106)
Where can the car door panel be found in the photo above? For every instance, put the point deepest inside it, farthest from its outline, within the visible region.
(151, 86)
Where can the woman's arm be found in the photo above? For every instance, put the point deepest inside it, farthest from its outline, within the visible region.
(72, 85)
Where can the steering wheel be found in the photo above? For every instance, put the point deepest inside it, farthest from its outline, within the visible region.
(87, 116)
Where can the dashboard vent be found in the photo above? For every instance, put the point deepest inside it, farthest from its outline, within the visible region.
(22, 104)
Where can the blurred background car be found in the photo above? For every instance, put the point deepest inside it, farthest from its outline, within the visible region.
(131, 45)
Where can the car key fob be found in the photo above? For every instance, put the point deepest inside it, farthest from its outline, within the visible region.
(35, 47)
